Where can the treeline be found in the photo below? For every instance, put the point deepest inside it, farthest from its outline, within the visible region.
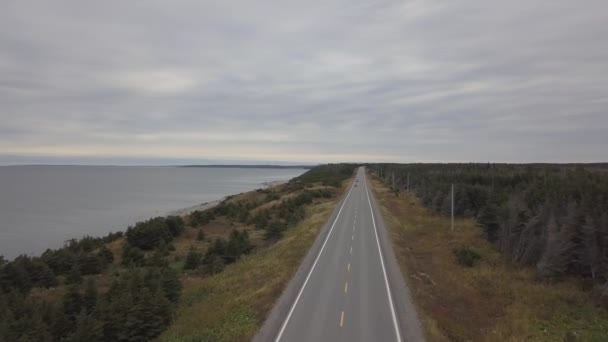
(77, 258)
(149, 243)
(553, 217)
(328, 174)
(220, 253)
(278, 218)
(137, 307)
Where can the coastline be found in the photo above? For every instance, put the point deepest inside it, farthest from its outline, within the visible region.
(199, 207)
(211, 204)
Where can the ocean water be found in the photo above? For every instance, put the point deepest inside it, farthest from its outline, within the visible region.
(43, 206)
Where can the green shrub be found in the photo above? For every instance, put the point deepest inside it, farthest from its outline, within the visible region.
(467, 257)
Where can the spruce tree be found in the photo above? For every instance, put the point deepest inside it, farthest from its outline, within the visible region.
(106, 255)
(74, 277)
(170, 284)
(87, 329)
(89, 299)
(72, 303)
(193, 259)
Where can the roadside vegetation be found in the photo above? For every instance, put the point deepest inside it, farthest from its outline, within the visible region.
(211, 275)
(519, 265)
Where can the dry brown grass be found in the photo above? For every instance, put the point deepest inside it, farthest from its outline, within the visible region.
(493, 301)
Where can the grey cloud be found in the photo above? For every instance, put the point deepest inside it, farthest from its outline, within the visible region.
(304, 81)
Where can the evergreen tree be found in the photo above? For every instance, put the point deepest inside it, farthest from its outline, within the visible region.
(72, 303)
(193, 259)
(133, 256)
(213, 264)
(171, 285)
(89, 299)
(90, 264)
(60, 325)
(106, 255)
(74, 277)
(488, 218)
(87, 329)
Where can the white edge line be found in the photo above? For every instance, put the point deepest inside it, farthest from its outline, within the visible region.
(312, 268)
(388, 288)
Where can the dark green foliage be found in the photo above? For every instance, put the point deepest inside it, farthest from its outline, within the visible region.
(550, 216)
(218, 247)
(228, 252)
(24, 272)
(90, 264)
(89, 299)
(193, 259)
(330, 174)
(61, 260)
(74, 277)
(289, 213)
(176, 225)
(81, 252)
(238, 244)
(132, 256)
(106, 255)
(157, 259)
(170, 284)
(238, 211)
(87, 329)
(72, 303)
(467, 257)
(213, 264)
(488, 218)
(201, 218)
(137, 307)
(149, 234)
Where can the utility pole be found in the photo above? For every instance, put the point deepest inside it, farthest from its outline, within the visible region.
(452, 208)
(408, 181)
(393, 180)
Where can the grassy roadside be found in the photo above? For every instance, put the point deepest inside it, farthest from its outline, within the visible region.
(494, 300)
(232, 305)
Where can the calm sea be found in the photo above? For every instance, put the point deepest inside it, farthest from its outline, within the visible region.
(42, 206)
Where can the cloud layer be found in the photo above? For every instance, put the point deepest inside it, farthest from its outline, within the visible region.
(312, 81)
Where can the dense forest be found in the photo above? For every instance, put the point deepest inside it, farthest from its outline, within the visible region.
(552, 217)
(86, 292)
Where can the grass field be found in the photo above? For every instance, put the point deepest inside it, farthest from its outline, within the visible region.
(232, 305)
(494, 300)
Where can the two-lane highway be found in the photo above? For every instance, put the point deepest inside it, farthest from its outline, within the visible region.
(345, 294)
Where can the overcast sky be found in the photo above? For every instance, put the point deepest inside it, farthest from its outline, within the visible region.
(303, 81)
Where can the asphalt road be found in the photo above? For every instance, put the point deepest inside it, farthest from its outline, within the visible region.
(349, 288)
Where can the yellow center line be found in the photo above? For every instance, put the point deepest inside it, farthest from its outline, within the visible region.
(342, 319)
(346, 287)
